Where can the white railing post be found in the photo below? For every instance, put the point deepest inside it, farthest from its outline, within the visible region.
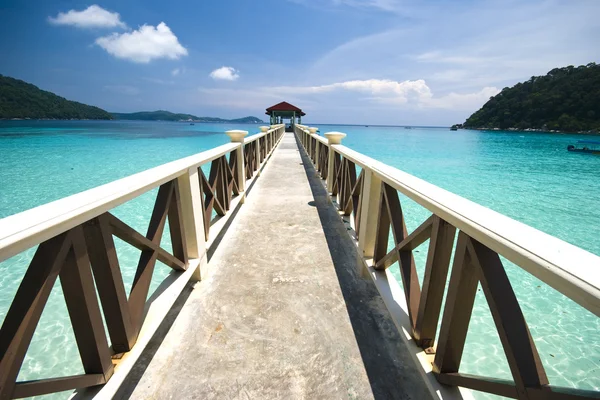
(333, 138)
(275, 128)
(238, 137)
(307, 140)
(257, 155)
(257, 148)
(369, 216)
(193, 221)
(313, 133)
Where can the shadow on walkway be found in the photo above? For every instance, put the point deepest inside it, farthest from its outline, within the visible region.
(389, 365)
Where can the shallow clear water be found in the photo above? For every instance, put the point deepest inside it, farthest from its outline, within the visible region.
(529, 177)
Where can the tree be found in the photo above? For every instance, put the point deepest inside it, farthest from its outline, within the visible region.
(565, 99)
(19, 99)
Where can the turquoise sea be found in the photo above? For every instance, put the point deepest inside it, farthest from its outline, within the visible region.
(529, 177)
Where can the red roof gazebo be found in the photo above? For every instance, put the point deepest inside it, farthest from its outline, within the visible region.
(285, 110)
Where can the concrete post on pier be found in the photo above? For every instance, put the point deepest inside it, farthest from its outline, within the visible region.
(313, 131)
(369, 216)
(193, 221)
(333, 138)
(308, 141)
(237, 136)
(263, 129)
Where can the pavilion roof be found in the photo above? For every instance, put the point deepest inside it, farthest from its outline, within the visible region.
(284, 106)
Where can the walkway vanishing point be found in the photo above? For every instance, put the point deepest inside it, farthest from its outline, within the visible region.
(281, 284)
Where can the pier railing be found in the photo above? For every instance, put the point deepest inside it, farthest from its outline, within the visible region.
(475, 237)
(75, 243)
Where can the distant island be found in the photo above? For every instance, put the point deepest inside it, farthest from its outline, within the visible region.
(162, 115)
(20, 100)
(565, 99)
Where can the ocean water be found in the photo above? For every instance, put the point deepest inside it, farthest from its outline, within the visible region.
(529, 177)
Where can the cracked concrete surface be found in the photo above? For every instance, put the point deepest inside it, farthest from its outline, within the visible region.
(283, 314)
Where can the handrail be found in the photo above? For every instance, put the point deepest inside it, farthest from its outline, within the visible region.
(75, 238)
(320, 139)
(257, 136)
(21, 231)
(370, 200)
(567, 268)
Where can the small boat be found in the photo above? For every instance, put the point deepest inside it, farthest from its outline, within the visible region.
(453, 128)
(192, 124)
(408, 127)
(587, 146)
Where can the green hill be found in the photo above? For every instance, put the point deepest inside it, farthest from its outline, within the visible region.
(162, 115)
(159, 115)
(247, 120)
(565, 99)
(19, 99)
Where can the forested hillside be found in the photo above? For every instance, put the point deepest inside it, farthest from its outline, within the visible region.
(565, 99)
(19, 99)
(162, 115)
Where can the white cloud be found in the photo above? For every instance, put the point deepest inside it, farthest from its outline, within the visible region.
(413, 95)
(176, 72)
(397, 92)
(225, 73)
(92, 17)
(144, 45)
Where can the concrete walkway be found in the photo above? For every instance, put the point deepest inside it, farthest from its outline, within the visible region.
(283, 314)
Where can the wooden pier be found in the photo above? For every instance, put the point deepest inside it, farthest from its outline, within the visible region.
(281, 285)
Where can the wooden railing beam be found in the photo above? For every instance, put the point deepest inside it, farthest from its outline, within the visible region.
(457, 312)
(238, 136)
(109, 280)
(500, 387)
(408, 270)
(53, 385)
(129, 235)
(521, 353)
(434, 280)
(27, 306)
(411, 242)
(82, 304)
(147, 262)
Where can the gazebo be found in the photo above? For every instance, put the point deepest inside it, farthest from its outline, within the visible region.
(285, 110)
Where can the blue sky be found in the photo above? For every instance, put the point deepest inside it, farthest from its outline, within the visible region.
(414, 62)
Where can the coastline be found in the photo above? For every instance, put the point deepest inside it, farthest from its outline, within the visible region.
(531, 130)
(129, 119)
